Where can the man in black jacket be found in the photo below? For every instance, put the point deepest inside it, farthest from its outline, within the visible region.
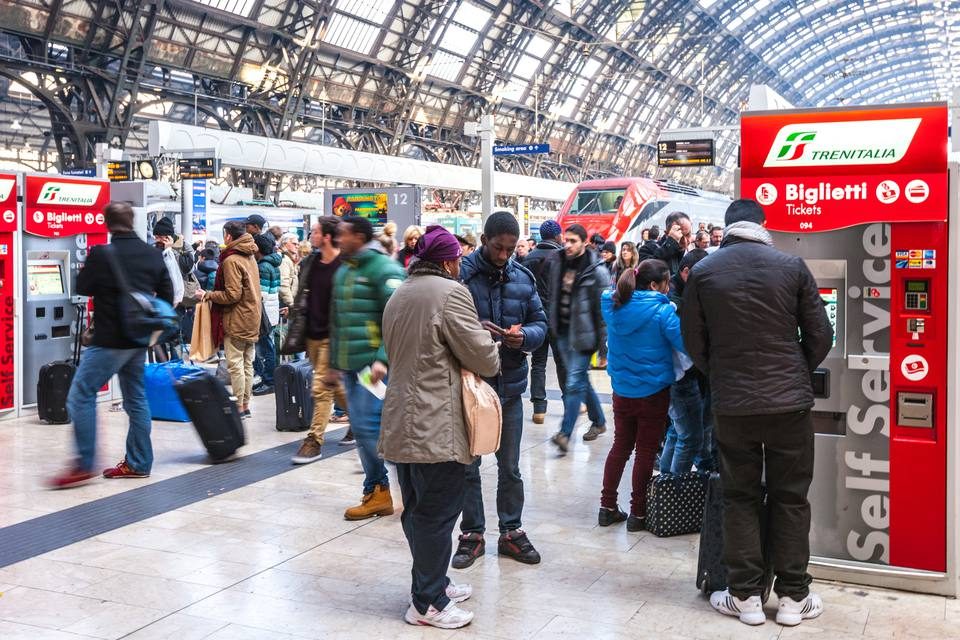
(673, 245)
(576, 282)
(539, 261)
(754, 323)
(111, 353)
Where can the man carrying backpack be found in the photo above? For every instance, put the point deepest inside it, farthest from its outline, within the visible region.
(111, 352)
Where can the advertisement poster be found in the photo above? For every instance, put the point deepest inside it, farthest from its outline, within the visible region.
(199, 189)
(372, 206)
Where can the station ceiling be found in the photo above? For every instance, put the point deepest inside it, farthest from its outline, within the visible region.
(598, 79)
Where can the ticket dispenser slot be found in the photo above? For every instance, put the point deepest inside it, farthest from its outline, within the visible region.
(914, 409)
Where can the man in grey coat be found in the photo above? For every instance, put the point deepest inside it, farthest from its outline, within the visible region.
(431, 331)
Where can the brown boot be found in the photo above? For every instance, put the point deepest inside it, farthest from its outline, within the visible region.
(376, 503)
(538, 418)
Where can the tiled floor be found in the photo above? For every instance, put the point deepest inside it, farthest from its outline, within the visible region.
(276, 560)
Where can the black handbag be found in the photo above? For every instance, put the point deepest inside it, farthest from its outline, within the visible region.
(144, 318)
(675, 503)
(265, 327)
(296, 338)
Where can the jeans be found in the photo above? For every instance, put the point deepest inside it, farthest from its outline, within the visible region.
(638, 426)
(538, 372)
(240, 355)
(97, 366)
(266, 360)
(432, 500)
(707, 459)
(509, 481)
(781, 446)
(686, 416)
(669, 445)
(323, 396)
(579, 389)
(365, 410)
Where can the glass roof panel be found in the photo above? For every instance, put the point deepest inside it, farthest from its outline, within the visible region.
(470, 15)
(239, 7)
(372, 10)
(538, 46)
(459, 40)
(445, 65)
(350, 33)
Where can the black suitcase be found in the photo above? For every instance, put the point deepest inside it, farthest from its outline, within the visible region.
(675, 503)
(53, 383)
(214, 415)
(293, 390)
(711, 572)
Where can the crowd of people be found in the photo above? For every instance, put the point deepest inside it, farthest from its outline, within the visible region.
(665, 318)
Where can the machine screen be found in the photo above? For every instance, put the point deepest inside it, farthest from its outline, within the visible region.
(45, 279)
(830, 301)
(917, 292)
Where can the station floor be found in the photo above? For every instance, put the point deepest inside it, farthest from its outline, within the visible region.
(258, 549)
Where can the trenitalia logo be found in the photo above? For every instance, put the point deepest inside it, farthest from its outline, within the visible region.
(842, 143)
(69, 193)
(6, 186)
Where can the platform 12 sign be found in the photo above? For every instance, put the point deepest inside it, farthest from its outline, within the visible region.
(816, 170)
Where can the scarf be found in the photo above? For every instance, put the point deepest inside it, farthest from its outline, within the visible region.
(216, 310)
(749, 231)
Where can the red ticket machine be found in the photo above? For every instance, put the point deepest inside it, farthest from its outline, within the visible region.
(865, 195)
(9, 189)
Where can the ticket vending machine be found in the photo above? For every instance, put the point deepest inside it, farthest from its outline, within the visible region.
(62, 218)
(865, 195)
(9, 190)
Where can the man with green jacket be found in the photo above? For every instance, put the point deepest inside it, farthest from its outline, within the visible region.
(361, 287)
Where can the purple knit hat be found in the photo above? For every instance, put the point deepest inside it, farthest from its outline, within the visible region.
(437, 245)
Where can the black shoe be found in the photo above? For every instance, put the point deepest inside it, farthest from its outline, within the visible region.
(635, 524)
(607, 517)
(516, 545)
(263, 389)
(471, 547)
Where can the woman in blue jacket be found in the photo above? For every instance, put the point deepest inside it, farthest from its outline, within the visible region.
(643, 331)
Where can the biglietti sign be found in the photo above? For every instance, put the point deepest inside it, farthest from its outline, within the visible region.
(61, 206)
(819, 170)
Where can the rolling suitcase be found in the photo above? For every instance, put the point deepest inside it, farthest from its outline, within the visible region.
(293, 390)
(214, 415)
(711, 572)
(158, 378)
(53, 383)
(675, 503)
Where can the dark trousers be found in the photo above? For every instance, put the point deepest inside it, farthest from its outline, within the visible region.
(783, 443)
(266, 361)
(639, 424)
(538, 372)
(509, 481)
(432, 500)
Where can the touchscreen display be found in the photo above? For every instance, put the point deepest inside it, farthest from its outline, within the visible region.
(45, 279)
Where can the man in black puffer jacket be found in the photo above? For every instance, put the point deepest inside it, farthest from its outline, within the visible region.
(577, 280)
(753, 321)
(508, 306)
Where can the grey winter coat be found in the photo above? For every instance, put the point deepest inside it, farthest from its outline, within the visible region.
(431, 330)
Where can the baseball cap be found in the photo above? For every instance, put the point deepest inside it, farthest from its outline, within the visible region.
(256, 220)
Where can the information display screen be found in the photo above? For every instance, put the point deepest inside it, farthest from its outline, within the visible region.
(685, 153)
(830, 302)
(118, 171)
(198, 168)
(45, 278)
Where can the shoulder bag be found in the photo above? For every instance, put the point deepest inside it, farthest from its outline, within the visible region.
(482, 414)
(144, 318)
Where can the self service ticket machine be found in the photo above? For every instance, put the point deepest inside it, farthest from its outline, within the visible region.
(866, 197)
(62, 218)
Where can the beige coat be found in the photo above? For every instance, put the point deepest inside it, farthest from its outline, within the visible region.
(240, 298)
(289, 276)
(430, 329)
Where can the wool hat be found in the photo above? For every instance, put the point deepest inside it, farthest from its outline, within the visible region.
(550, 230)
(437, 245)
(164, 227)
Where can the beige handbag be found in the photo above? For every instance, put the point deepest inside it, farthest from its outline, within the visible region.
(482, 414)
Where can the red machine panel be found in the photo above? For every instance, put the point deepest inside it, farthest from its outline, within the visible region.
(8, 224)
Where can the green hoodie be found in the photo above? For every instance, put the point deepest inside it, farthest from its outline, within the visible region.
(361, 288)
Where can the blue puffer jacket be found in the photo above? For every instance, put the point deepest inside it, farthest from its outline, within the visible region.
(641, 338)
(207, 273)
(505, 301)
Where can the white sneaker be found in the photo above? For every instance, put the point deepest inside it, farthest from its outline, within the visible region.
(750, 611)
(791, 612)
(459, 592)
(452, 617)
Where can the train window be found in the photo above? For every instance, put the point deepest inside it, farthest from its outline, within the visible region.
(648, 211)
(597, 201)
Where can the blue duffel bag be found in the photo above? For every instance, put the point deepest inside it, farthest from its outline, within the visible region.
(164, 402)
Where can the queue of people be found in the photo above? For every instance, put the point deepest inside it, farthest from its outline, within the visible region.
(668, 315)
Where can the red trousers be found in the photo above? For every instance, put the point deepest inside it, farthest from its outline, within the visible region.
(639, 424)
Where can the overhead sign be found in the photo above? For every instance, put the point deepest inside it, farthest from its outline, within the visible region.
(83, 173)
(397, 204)
(57, 206)
(817, 170)
(520, 149)
(8, 202)
(118, 171)
(685, 153)
(199, 168)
